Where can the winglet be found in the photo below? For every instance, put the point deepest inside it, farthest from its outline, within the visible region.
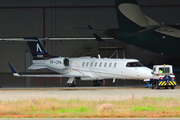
(96, 36)
(15, 73)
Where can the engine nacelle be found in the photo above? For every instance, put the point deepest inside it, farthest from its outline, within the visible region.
(115, 33)
(57, 63)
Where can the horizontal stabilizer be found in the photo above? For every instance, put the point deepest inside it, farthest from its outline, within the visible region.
(15, 73)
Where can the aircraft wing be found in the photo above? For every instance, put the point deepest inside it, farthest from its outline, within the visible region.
(95, 32)
(16, 39)
(89, 30)
(15, 73)
(105, 33)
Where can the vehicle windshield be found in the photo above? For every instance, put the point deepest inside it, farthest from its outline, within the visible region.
(164, 70)
(134, 64)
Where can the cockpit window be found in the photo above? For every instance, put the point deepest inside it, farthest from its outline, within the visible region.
(134, 64)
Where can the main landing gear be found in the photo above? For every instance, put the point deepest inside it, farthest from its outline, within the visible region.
(96, 82)
(73, 84)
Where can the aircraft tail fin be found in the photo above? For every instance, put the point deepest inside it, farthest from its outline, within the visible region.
(130, 15)
(37, 49)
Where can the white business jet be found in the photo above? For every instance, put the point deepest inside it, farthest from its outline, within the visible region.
(83, 68)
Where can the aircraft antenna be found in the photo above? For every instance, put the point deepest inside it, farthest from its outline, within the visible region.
(99, 56)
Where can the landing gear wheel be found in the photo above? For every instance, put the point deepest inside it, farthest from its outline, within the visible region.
(72, 84)
(96, 83)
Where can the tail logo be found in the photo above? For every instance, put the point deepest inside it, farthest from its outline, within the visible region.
(38, 48)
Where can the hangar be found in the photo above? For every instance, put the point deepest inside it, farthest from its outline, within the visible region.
(48, 18)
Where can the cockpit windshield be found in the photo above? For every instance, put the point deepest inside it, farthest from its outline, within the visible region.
(134, 64)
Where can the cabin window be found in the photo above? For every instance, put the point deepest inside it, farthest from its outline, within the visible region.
(91, 64)
(105, 64)
(83, 64)
(110, 64)
(87, 64)
(134, 64)
(95, 64)
(115, 64)
(100, 64)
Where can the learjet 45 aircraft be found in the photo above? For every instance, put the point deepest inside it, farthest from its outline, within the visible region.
(83, 68)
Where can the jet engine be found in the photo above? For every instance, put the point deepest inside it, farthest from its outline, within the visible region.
(115, 33)
(57, 63)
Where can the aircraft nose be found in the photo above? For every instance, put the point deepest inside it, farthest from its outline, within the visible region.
(145, 73)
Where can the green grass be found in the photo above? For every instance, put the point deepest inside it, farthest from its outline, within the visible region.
(146, 108)
(76, 110)
(131, 107)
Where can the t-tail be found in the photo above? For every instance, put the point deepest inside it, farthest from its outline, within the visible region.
(130, 15)
(37, 49)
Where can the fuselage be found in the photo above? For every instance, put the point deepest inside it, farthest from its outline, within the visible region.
(164, 40)
(98, 68)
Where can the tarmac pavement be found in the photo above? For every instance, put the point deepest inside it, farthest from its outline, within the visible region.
(85, 93)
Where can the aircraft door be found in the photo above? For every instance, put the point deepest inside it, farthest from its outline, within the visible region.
(136, 69)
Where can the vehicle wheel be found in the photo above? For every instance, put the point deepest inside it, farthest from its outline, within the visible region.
(152, 87)
(172, 87)
(166, 87)
(72, 84)
(157, 85)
